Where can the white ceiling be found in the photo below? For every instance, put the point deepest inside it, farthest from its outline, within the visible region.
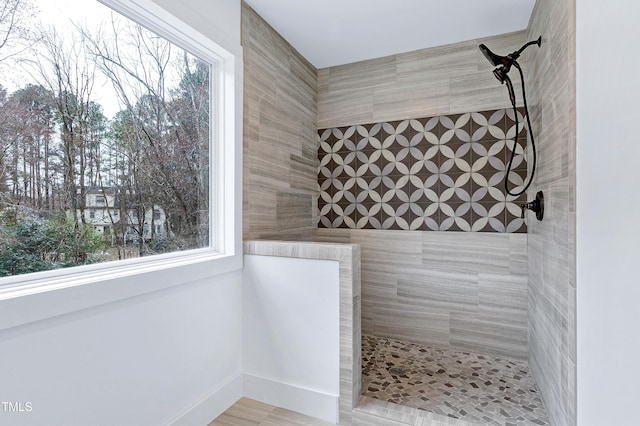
(335, 32)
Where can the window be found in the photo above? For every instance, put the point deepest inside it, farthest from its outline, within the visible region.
(142, 119)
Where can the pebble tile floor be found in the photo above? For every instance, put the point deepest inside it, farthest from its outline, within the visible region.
(472, 387)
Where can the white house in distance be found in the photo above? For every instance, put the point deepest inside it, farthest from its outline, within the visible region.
(103, 209)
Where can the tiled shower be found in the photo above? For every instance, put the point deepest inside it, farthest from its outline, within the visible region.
(404, 155)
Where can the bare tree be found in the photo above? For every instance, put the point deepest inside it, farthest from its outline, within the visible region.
(30, 121)
(15, 35)
(61, 67)
(58, 63)
(9, 135)
(170, 120)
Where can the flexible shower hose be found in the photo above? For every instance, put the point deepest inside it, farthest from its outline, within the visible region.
(515, 143)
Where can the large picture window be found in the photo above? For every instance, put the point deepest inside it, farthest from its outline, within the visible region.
(107, 136)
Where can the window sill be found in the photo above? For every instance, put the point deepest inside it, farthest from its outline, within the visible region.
(44, 295)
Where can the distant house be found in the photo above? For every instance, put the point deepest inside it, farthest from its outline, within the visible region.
(104, 209)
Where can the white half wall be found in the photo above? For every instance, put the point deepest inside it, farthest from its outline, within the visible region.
(291, 344)
(608, 204)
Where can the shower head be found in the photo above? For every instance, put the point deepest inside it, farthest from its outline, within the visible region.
(496, 60)
(501, 73)
(504, 63)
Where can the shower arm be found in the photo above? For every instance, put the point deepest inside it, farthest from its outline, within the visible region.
(531, 43)
(512, 59)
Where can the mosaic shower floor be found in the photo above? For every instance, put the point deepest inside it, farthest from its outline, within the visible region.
(472, 387)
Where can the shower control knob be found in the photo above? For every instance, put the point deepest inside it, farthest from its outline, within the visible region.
(536, 206)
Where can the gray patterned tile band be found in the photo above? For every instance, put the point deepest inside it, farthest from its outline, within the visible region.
(438, 174)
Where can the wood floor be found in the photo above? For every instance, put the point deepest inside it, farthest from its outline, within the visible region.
(247, 412)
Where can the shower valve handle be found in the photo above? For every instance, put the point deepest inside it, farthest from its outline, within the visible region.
(536, 206)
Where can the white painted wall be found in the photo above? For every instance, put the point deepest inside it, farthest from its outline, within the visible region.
(139, 361)
(152, 348)
(291, 340)
(608, 205)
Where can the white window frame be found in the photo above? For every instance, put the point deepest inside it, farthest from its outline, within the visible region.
(89, 282)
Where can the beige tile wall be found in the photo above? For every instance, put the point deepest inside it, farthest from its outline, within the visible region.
(552, 277)
(459, 290)
(442, 80)
(466, 291)
(280, 142)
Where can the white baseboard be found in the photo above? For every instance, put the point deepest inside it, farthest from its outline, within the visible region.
(211, 405)
(305, 401)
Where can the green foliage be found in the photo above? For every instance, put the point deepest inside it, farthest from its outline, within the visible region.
(31, 244)
(19, 250)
